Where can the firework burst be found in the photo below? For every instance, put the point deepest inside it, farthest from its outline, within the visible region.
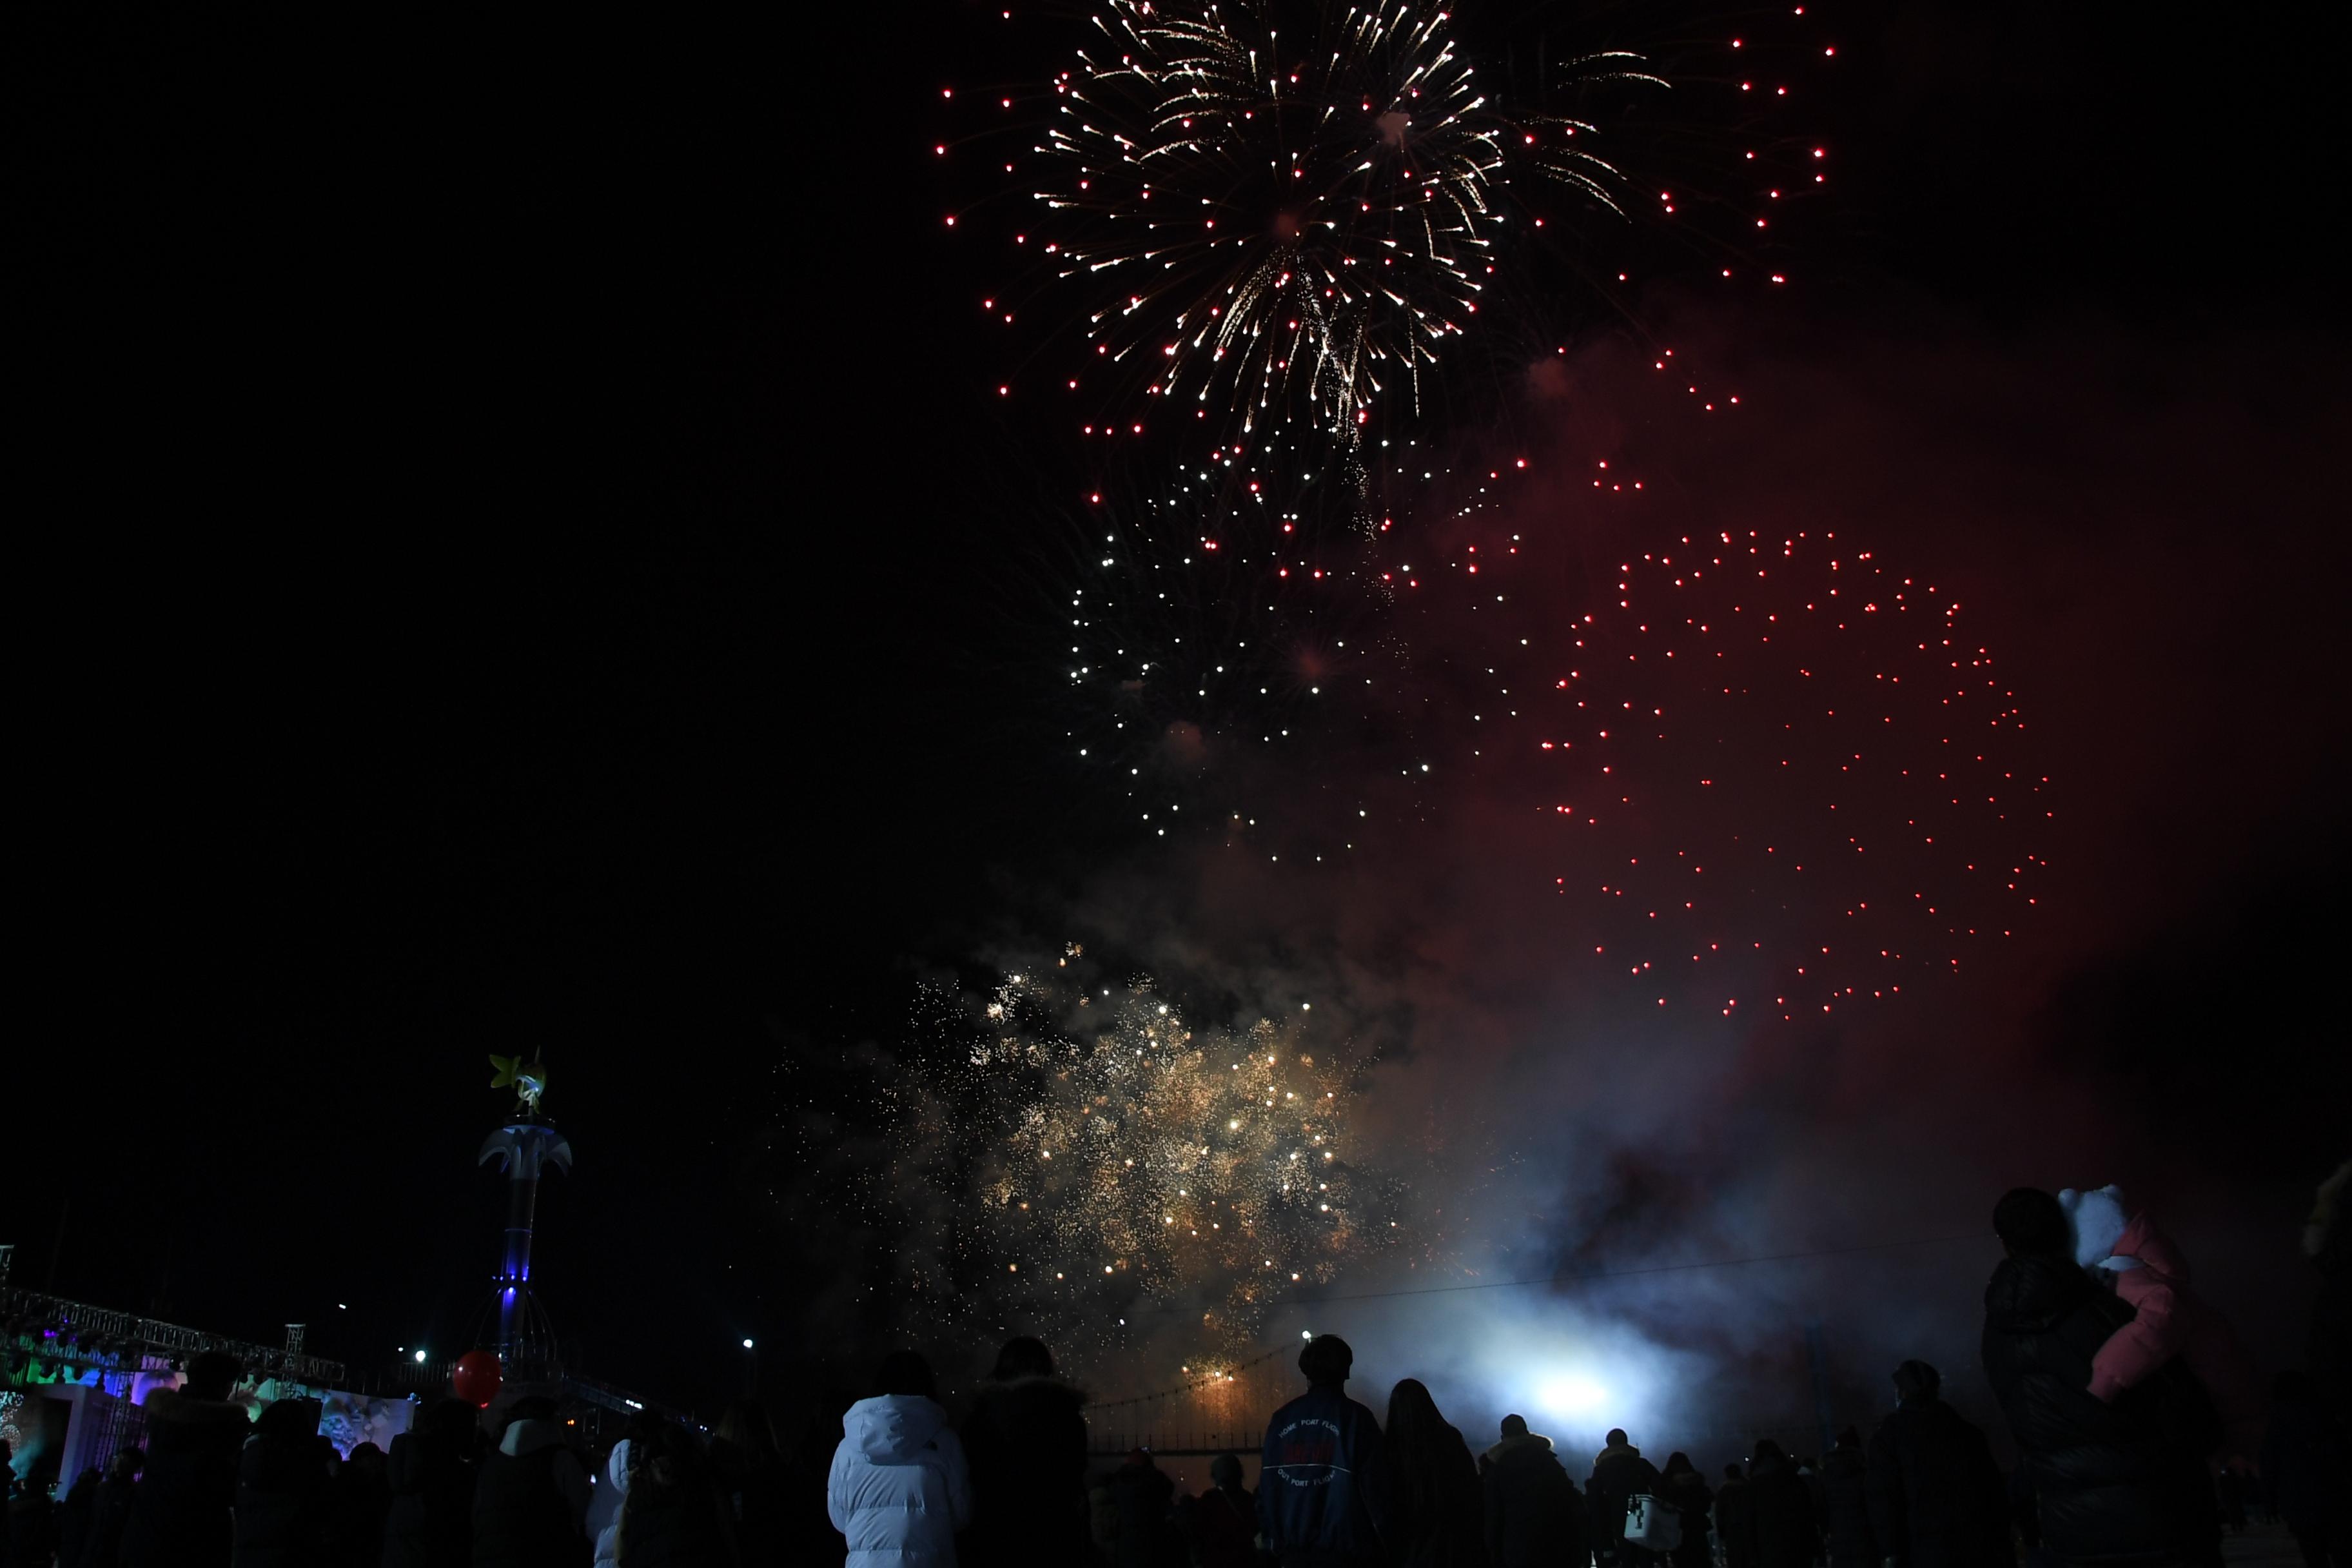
(1124, 1158)
(1293, 205)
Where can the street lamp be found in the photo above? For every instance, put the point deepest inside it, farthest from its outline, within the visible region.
(751, 1355)
(420, 1358)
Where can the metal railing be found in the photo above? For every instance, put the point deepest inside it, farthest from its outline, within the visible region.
(83, 1333)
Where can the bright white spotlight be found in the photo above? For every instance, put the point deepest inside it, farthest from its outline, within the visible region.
(1571, 1395)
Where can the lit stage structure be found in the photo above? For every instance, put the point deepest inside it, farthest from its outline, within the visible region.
(524, 1147)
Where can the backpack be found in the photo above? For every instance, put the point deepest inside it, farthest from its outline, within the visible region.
(1651, 1525)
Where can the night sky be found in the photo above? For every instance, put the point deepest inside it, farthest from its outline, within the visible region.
(517, 552)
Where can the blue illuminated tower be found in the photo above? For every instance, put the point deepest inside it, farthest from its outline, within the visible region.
(525, 1147)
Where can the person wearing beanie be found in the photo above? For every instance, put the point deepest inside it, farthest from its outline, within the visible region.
(1322, 1491)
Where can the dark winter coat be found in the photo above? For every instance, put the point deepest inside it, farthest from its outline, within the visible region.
(74, 1518)
(752, 1490)
(1222, 1526)
(682, 1524)
(1322, 1491)
(1618, 1474)
(1687, 1493)
(430, 1523)
(1437, 1517)
(1780, 1515)
(1534, 1517)
(530, 1501)
(2111, 1482)
(32, 1527)
(284, 1508)
(181, 1517)
(1845, 1506)
(103, 1548)
(1025, 1443)
(1937, 1498)
(2308, 1462)
(1144, 1499)
(360, 1501)
(1735, 1524)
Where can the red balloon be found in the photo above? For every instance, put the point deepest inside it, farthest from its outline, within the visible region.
(475, 1378)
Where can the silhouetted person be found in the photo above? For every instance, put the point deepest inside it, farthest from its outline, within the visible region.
(1936, 1498)
(676, 1515)
(1322, 1488)
(1619, 1474)
(182, 1514)
(1437, 1517)
(1144, 1500)
(531, 1501)
(2307, 1470)
(1221, 1523)
(360, 1500)
(284, 1510)
(430, 1470)
(1025, 1440)
(1681, 1488)
(1735, 1521)
(899, 1489)
(1845, 1504)
(749, 1467)
(32, 1522)
(103, 1547)
(1780, 1508)
(2125, 1479)
(1533, 1514)
(74, 1517)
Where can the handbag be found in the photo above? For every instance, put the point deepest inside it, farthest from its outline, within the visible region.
(1650, 1524)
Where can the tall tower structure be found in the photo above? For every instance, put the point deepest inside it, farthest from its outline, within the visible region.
(524, 1148)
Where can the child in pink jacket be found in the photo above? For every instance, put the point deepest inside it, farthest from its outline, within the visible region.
(2169, 1319)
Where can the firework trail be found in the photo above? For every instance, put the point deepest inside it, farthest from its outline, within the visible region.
(1301, 202)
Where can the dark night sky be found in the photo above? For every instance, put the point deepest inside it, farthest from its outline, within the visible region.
(495, 568)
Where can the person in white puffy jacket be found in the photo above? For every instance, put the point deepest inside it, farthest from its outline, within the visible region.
(900, 1491)
(613, 1496)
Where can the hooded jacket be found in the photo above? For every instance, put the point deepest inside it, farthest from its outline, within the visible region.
(181, 1514)
(616, 1476)
(1025, 1441)
(531, 1501)
(1534, 1517)
(1436, 1516)
(2169, 1318)
(1619, 1472)
(1937, 1498)
(1322, 1491)
(2111, 1482)
(899, 1489)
